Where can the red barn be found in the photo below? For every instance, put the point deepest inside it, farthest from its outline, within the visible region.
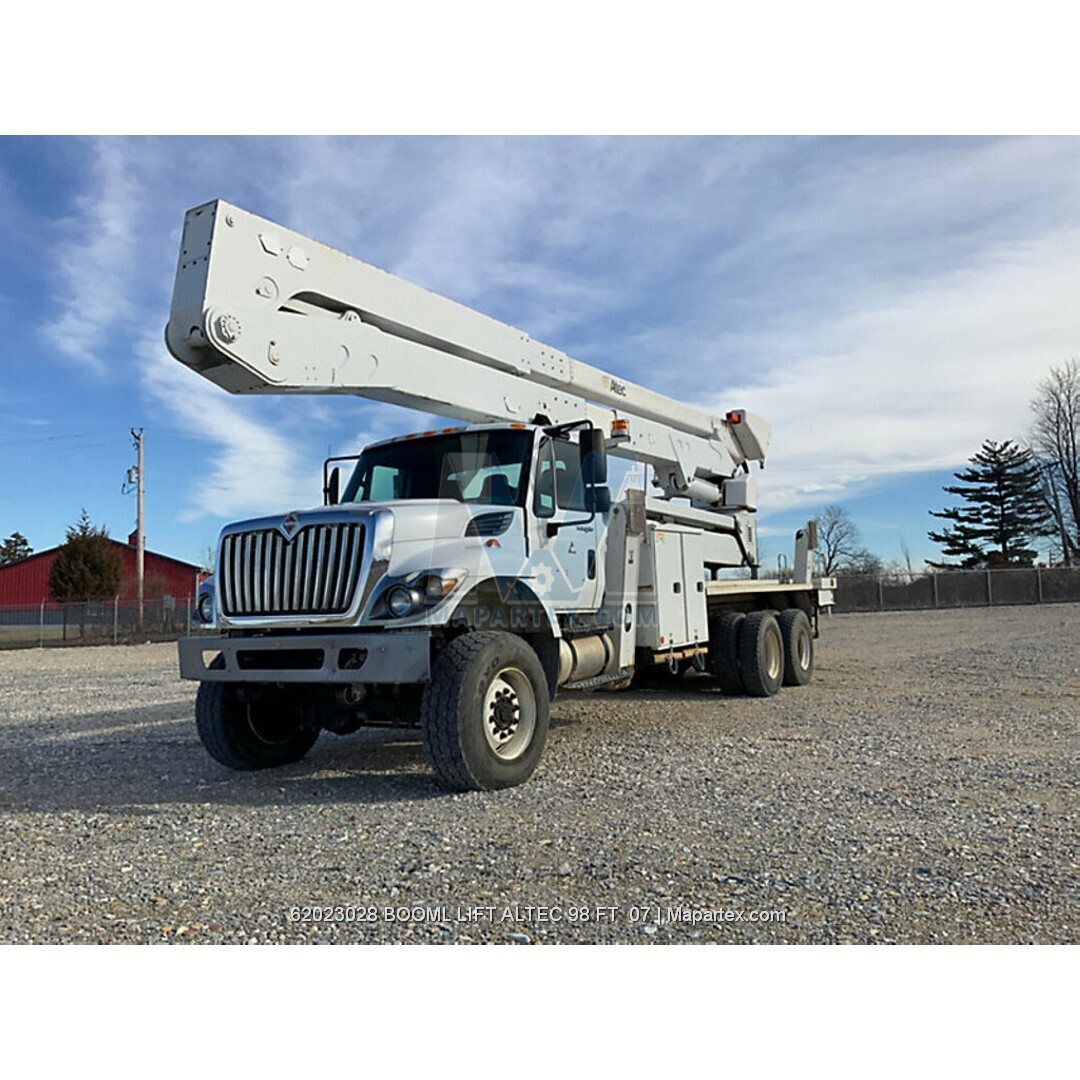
(26, 582)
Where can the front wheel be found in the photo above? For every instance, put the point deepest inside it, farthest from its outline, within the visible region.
(246, 728)
(484, 715)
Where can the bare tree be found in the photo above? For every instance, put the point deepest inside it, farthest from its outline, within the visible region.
(1055, 440)
(863, 563)
(838, 536)
(840, 545)
(909, 567)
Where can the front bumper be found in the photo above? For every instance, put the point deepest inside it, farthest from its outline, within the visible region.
(394, 657)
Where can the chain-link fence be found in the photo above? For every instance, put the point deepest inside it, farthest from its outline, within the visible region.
(960, 588)
(100, 622)
(95, 622)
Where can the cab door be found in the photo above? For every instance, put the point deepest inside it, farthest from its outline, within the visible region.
(566, 566)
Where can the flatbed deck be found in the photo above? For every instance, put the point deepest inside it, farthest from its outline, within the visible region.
(735, 586)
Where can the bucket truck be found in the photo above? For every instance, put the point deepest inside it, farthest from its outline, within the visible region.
(458, 578)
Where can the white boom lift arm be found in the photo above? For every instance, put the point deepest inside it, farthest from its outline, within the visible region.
(260, 309)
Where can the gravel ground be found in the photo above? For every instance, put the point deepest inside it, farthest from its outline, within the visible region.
(922, 789)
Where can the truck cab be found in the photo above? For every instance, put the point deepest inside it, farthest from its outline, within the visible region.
(419, 523)
(496, 529)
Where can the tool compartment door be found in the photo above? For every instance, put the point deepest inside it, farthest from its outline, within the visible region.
(663, 604)
(693, 574)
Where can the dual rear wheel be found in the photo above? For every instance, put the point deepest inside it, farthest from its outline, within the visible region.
(759, 652)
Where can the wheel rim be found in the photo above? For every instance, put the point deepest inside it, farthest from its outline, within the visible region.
(774, 654)
(274, 730)
(802, 650)
(509, 714)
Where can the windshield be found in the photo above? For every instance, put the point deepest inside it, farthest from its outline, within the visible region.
(469, 466)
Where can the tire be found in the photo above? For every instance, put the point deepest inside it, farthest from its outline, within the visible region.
(724, 651)
(798, 647)
(484, 715)
(761, 654)
(245, 733)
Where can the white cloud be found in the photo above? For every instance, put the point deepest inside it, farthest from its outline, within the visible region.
(254, 469)
(258, 464)
(916, 386)
(470, 224)
(95, 258)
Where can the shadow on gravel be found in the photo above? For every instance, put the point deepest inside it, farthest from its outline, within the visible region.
(151, 756)
(659, 691)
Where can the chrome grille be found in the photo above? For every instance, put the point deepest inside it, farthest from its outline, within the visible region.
(315, 573)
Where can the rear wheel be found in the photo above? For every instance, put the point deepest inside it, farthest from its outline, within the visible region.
(724, 651)
(798, 647)
(761, 654)
(245, 727)
(484, 714)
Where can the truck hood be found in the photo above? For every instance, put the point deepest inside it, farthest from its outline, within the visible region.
(414, 519)
(433, 519)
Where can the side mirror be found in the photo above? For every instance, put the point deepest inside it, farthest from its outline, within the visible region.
(332, 491)
(598, 499)
(593, 457)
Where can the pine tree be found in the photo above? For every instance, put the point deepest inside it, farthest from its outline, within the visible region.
(1006, 511)
(14, 548)
(87, 566)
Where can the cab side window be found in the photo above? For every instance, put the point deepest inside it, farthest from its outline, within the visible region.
(558, 478)
(544, 503)
(569, 490)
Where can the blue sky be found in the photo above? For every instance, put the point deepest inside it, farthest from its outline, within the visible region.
(886, 303)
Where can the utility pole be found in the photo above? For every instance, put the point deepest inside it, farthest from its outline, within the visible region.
(140, 534)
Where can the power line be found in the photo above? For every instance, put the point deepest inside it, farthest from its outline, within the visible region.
(71, 436)
(59, 438)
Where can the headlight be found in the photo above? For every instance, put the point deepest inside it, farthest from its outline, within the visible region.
(411, 595)
(402, 601)
(204, 607)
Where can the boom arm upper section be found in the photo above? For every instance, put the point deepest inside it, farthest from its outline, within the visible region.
(259, 309)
